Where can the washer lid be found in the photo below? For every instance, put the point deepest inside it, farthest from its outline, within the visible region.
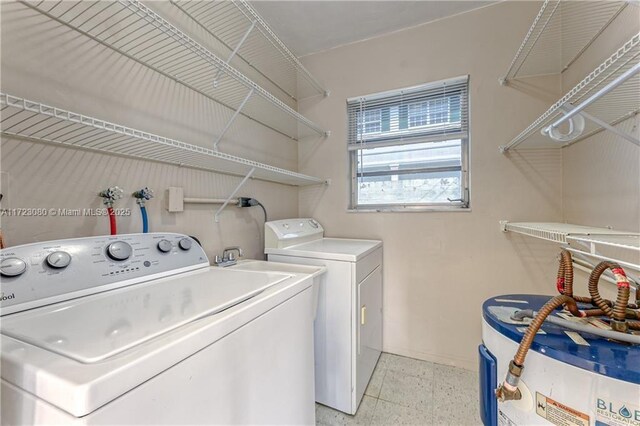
(343, 249)
(96, 327)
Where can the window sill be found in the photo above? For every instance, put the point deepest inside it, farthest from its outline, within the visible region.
(412, 210)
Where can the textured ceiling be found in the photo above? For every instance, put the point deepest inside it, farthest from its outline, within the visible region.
(311, 26)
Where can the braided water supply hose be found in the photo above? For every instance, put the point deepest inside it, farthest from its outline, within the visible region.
(109, 196)
(142, 196)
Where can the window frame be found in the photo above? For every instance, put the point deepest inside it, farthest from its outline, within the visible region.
(461, 205)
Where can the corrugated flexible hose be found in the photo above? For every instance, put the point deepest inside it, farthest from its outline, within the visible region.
(536, 323)
(619, 308)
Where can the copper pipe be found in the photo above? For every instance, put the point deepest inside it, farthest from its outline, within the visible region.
(536, 323)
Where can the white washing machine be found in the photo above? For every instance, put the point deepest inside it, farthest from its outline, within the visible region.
(139, 329)
(348, 325)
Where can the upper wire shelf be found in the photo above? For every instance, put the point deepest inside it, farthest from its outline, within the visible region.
(560, 33)
(137, 32)
(605, 98)
(35, 121)
(238, 26)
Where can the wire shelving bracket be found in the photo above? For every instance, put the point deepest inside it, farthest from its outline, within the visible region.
(234, 52)
(137, 32)
(30, 120)
(233, 194)
(231, 120)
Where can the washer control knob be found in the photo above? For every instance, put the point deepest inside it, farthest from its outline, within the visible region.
(185, 244)
(164, 246)
(119, 250)
(12, 267)
(59, 259)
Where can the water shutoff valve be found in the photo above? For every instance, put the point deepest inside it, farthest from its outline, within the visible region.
(143, 195)
(110, 195)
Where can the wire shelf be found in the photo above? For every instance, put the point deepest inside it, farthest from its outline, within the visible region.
(621, 249)
(560, 33)
(137, 32)
(628, 242)
(604, 94)
(558, 232)
(241, 30)
(43, 123)
(599, 243)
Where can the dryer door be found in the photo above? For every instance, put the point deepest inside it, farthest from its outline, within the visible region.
(369, 326)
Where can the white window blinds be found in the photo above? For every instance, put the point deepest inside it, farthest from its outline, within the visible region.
(433, 112)
(409, 148)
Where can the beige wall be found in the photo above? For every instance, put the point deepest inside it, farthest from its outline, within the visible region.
(45, 62)
(440, 267)
(602, 173)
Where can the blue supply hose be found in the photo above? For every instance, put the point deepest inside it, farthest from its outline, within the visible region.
(145, 219)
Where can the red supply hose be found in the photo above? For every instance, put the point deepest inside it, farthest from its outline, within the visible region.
(112, 220)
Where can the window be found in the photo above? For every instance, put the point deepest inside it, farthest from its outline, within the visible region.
(409, 148)
(372, 121)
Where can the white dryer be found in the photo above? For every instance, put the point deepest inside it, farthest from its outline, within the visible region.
(139, 329)
(348, 325)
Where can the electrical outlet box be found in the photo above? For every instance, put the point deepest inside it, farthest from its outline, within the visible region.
(175, 199)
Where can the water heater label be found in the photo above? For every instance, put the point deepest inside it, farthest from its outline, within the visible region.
(616, 413)
(559, 414)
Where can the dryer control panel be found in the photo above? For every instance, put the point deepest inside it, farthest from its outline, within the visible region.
(287, 232)
(38, 274)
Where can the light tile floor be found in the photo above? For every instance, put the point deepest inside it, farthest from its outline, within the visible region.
(406, 391)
